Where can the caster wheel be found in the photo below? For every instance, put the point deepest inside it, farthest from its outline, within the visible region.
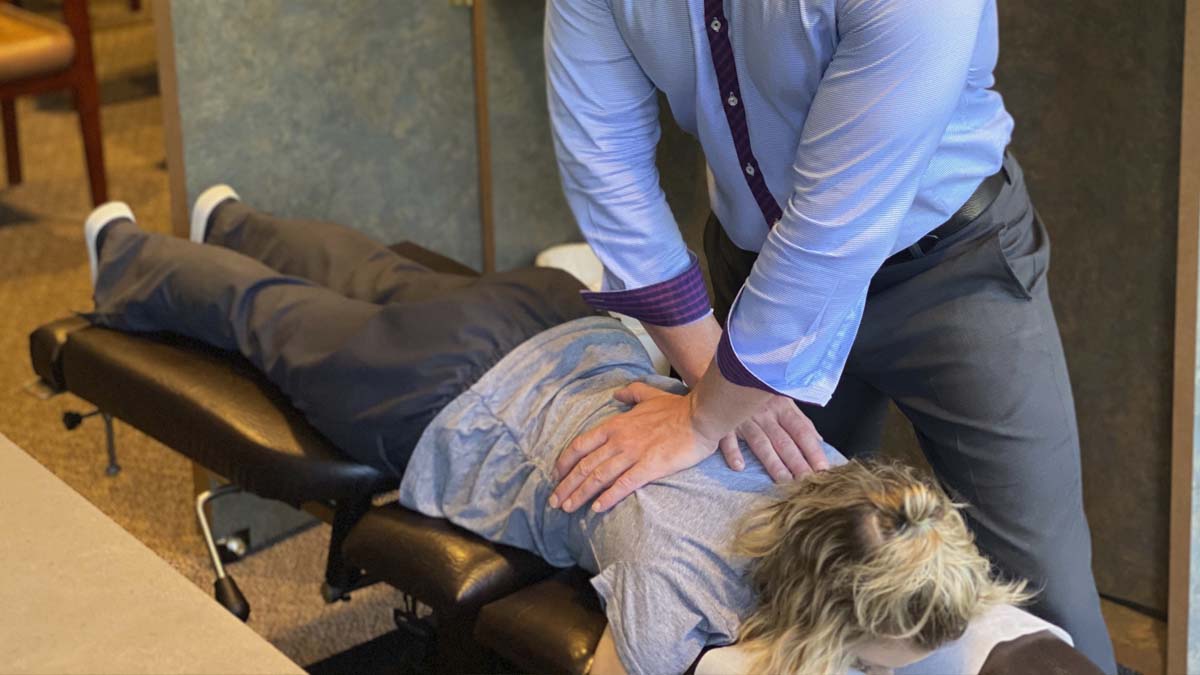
(232, 548)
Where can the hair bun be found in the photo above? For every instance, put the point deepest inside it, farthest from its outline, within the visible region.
(919, 508)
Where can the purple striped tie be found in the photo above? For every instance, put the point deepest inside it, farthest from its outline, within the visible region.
(717, 27)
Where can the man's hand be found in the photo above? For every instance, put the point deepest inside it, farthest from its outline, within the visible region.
(654, 439)
(778, 434)
(782, 438)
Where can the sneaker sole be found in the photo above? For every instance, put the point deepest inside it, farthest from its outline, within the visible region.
(96, 221)
(205, 204)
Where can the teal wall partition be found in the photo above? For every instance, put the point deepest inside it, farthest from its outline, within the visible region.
(363, 113)
(357, 112)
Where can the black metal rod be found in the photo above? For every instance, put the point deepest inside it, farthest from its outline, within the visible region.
(113, 468)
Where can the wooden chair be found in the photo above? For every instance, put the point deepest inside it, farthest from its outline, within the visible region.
(38, 55)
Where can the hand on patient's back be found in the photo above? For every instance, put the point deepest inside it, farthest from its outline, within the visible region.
(782, 438)
(654, 439)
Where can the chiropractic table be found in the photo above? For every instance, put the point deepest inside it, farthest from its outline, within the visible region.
(487, 600)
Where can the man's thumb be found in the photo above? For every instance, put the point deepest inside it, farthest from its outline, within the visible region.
(635, 393)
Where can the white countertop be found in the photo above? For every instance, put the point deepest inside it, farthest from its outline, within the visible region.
(78, 594)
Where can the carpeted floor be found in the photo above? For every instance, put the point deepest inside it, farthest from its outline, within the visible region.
(44, 276)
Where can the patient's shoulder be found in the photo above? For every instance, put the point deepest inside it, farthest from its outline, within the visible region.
(693, 513)
(626, 533)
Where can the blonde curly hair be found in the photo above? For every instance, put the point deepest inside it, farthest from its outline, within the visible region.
(860, 552)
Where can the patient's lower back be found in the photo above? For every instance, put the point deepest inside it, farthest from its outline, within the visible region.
(484, 462)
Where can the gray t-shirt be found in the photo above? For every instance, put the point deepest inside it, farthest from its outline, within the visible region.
(662, 558)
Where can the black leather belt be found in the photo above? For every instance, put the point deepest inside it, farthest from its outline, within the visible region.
(982, 198)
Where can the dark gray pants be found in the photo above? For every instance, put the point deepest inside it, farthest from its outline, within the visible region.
(964, 341)
(368, 345)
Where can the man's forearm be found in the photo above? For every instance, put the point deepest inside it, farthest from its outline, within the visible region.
(718, 406)
(689, 348)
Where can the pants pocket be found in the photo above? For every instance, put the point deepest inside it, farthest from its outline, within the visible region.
(1022, 249)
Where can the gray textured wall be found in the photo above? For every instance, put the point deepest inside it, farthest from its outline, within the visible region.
(530, 210)
(358, 112)
(363, 113)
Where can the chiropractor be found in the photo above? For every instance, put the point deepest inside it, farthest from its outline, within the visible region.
(870, 240)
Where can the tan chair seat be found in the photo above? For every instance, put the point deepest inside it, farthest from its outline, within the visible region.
(31, 45)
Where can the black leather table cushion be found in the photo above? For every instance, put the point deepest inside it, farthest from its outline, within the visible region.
(217, 410)
(552, 626)
(438, 563)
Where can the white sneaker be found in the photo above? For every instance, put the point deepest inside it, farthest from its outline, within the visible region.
(97, 221)
(206, 203)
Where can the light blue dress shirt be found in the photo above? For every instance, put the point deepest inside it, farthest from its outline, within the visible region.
(873, 121)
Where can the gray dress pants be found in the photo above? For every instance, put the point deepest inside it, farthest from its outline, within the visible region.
(965, 342)
(368, 345)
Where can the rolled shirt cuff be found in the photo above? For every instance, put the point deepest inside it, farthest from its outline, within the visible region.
(733, 370)
(674, 302)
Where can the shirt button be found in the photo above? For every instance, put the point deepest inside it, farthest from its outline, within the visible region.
(732, 100)
(749, 169)
(715, 25)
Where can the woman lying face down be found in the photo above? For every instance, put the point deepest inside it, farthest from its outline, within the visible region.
(864, 562)
(468, 389)
(863, 565)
